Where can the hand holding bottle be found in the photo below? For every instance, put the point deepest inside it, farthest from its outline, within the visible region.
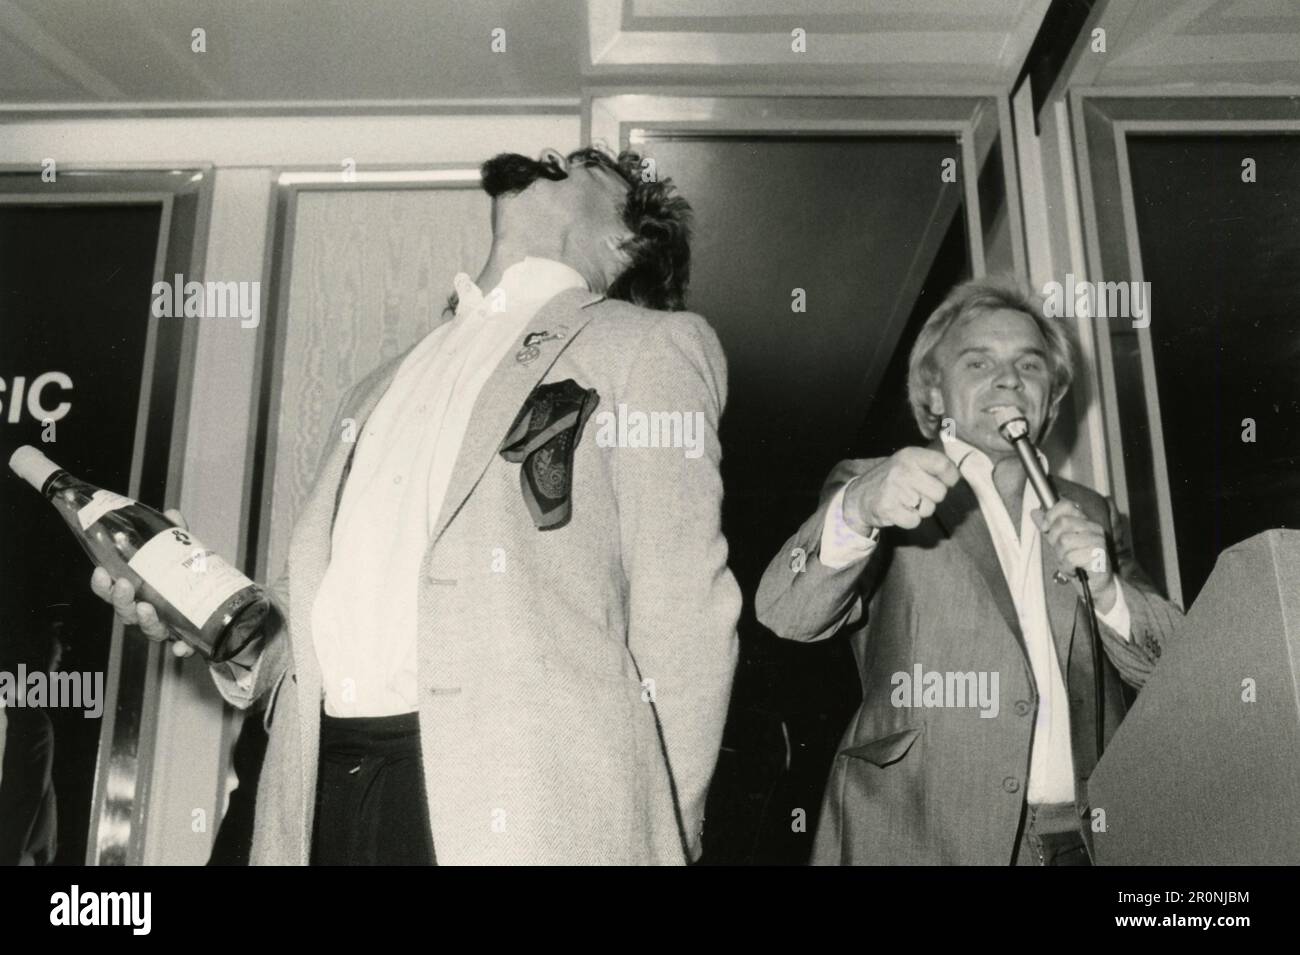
(120, 593)
(188, 591)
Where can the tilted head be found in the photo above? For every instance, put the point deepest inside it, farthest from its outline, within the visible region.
(625, 230)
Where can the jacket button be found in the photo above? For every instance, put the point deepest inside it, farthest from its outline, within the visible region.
(1021, 707)
(1011, 784)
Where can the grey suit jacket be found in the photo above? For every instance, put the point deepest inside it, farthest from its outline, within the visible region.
(936, 785)
(572, 705)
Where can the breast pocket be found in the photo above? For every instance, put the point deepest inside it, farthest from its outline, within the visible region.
(888, 749)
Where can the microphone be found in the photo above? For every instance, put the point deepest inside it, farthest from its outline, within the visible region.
(1014, 426)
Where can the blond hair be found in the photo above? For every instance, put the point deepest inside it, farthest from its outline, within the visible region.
(980, 295)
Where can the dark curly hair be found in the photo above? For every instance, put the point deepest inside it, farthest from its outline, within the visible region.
(658, 218)
(660, 222)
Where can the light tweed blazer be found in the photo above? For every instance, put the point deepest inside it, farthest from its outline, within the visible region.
(572, 704)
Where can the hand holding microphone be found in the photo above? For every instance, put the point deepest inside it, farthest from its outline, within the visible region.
(1078, 543)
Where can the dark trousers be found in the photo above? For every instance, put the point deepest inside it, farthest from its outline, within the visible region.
(370, 801)
(1052, 834)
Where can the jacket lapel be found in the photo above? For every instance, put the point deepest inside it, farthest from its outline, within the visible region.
(498, 403)
(504, 392)
(1062, 602)
(960, 516)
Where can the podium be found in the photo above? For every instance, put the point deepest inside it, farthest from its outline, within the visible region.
(1205, 769)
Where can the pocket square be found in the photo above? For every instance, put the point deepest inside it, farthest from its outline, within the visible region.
(543, 438)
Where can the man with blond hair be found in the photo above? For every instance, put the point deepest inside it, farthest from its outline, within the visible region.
(977, 728)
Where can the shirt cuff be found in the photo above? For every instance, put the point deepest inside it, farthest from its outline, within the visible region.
(1118, 617)
(240, 678)
(239, 681)
(841, 545)
(243, 679)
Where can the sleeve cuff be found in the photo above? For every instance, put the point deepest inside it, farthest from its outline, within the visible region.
(1118, 617)
(841, 545)
(237, 682)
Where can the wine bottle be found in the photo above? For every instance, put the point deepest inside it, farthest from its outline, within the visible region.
(205, 601)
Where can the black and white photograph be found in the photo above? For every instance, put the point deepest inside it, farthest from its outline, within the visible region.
(732, 434)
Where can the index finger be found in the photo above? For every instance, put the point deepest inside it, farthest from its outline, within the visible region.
(123, 599)
(1062, 508)
(938, 464)
(101, 584)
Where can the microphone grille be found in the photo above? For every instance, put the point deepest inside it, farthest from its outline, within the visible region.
(1011, 423)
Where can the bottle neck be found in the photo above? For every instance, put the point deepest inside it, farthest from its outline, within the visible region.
(56, 482)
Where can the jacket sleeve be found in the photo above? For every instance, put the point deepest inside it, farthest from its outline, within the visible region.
(800, 598)
(241, 687)
(1153, 618)
(683, 603)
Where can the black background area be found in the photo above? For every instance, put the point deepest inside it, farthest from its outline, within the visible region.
(1223, 260)
(75, 285)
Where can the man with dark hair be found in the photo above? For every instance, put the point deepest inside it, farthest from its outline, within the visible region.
(657, 249)
(977, 729)
(508, 640)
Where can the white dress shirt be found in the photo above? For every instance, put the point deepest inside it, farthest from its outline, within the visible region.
(365, 615)
(1051, 761)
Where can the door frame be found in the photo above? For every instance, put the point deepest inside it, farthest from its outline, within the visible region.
(124, 766)
(1102, 121)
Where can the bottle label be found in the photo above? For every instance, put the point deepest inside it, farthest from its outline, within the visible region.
(194, 579)
(101, 502)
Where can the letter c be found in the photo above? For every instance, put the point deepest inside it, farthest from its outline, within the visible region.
(34, 404)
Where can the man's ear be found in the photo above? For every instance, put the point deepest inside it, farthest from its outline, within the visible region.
(935, 401)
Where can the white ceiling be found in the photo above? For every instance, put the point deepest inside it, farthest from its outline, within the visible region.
(336, 51)
(1250, 42)
(96, 51)
(272, 50)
